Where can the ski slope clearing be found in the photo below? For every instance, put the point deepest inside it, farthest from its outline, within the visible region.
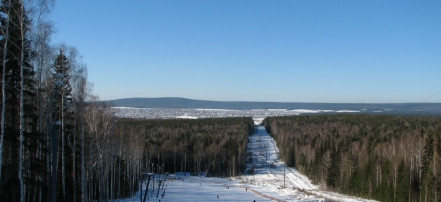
(264, 181)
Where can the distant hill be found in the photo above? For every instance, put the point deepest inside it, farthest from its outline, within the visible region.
(183, 103)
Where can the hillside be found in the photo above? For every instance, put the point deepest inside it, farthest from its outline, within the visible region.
(183, 103)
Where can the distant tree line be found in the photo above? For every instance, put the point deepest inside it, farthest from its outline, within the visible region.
(387, 158)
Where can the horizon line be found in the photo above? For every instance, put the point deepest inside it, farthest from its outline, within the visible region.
(247, 101)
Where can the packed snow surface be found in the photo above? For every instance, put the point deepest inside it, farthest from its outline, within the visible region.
(264, 180)
(203, 189)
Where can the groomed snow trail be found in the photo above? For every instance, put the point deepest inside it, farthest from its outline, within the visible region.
(265, 169)
(203, 189)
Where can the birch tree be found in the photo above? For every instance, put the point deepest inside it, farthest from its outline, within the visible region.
(32, 106)
(5, 11)
(79, 92)
(21, 138)
(42, 60)
(17, 86)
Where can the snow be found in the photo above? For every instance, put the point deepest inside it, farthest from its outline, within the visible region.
(263, 181)
(186, 117)
(258, 120)
(204, 189)
(280, 110)
(174, 113)
(220, 110)
(269, 169)
(347, 111)
(304, 111)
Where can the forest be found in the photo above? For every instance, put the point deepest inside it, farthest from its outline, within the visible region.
(387, 158)
(48, 130)
(119, 150)
(216, 146)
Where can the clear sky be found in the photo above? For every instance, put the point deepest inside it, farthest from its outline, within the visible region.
(258, 50)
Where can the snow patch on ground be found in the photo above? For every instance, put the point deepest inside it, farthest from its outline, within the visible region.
(203, 189)
(258, 120)
(347, 111)
(172, 113)
(305, 111)
(186, 117)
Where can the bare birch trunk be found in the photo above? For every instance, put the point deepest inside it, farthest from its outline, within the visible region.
(3, 116)
(74, 150)
(83, 174)
(395, 181)
(21, 113)
(63, 174)
(410, 178)
(434, 174)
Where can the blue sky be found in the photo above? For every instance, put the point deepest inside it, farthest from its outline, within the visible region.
(258, 50)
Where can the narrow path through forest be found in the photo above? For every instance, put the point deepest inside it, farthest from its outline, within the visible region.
(264, 168)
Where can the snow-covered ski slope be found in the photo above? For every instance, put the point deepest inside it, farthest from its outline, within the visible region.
(263, 159)
(264, 184)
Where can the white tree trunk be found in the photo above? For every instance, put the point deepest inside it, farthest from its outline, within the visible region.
(21, 128)
(63, 177)
(395, 181)
(83, 173)
(74, 150)
(3, 116)
(434, 174)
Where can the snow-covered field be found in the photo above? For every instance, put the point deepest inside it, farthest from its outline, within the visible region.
(204, 189)
(266, 183)
(169, 113)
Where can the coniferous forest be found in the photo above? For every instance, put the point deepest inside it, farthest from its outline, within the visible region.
(387, 158)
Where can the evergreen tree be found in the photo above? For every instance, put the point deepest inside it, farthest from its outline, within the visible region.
(4, 21)
(334, 167)
(291, 161)
(63, 100)
(428, 154)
